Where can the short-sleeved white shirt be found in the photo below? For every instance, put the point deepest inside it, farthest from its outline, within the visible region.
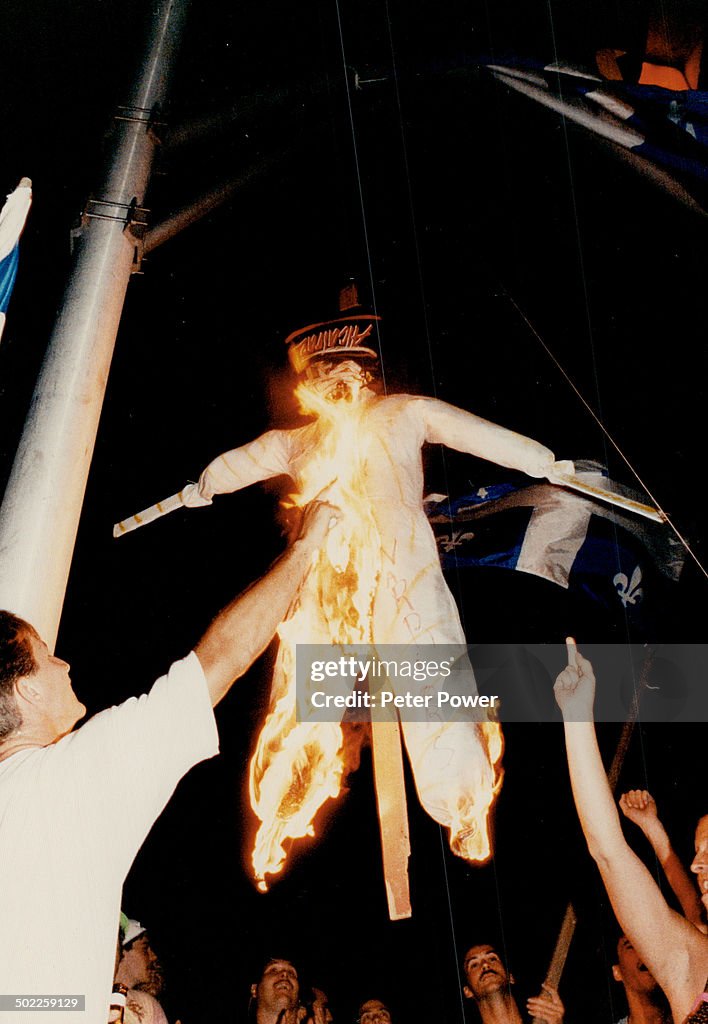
(72, 818)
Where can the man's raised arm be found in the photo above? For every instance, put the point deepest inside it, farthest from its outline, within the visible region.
(243, 630)
(640, 807)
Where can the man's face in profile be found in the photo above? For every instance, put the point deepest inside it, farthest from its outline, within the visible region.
(631, 970)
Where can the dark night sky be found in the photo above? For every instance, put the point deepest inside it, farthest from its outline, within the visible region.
(462, 197)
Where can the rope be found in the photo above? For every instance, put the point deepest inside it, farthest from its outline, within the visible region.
(607, 434)
(359, 183)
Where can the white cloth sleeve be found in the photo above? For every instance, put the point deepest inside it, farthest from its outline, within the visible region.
(465, 432)
(261, 459)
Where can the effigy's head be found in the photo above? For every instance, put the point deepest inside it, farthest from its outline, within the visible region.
(336, 360)
(346, 337)
(350, 333)
(336, 380)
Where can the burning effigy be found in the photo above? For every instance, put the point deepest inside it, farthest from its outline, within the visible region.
(377, 581)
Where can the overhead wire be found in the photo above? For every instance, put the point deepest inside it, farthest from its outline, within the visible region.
(606, 433)
(406, 164)
(360, 187)
(427, 330)
(581, 262)
(608, 439)
(428, 342)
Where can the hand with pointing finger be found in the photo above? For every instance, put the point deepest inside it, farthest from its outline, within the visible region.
(575, 686)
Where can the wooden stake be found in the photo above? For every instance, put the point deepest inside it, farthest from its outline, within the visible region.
(603, 494)
(560, 953)
(393, 813)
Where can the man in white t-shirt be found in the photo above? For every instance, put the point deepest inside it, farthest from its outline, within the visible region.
(66, 841)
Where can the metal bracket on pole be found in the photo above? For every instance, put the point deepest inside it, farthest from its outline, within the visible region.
(133, 217)
(136, 228)
(129, 214)
(151, 118)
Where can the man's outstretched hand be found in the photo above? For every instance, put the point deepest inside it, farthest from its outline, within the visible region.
(318, 519)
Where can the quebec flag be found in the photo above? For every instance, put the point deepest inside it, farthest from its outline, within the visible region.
(12, 220)
(656, 127)
(611, 556)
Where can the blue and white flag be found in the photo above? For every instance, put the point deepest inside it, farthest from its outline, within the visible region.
(662, 134)
(612, 557)
(12, 220)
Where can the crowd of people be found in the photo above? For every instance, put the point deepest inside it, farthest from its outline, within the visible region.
(280, 993)
(64, 863)
(672, 947)
(63, 859)
(662, 955)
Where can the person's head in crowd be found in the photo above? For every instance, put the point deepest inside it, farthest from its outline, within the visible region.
(488, 981)
(700, 862)
(37, 703)
(485, 973)
(373, 1011)
(645, 998)
(276, 990)
(631, 971)
(139, 967)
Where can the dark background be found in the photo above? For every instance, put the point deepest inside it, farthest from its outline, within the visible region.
(457, 205)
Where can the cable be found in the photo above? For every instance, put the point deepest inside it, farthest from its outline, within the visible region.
(359, 184)
(406, 164)
(606, 432)
(452, 921)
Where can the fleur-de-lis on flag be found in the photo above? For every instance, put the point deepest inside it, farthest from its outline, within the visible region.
(629, 590)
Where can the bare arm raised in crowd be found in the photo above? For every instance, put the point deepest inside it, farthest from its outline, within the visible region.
(675, 952)
(243, 630)
(640, 807)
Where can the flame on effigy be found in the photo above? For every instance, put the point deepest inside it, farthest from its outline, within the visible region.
(299, 765)
(469, 828)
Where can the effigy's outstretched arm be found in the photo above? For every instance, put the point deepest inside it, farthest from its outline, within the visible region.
(262, 459)
(465, 432)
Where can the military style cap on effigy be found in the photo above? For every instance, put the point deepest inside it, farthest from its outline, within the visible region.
(352, 335)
